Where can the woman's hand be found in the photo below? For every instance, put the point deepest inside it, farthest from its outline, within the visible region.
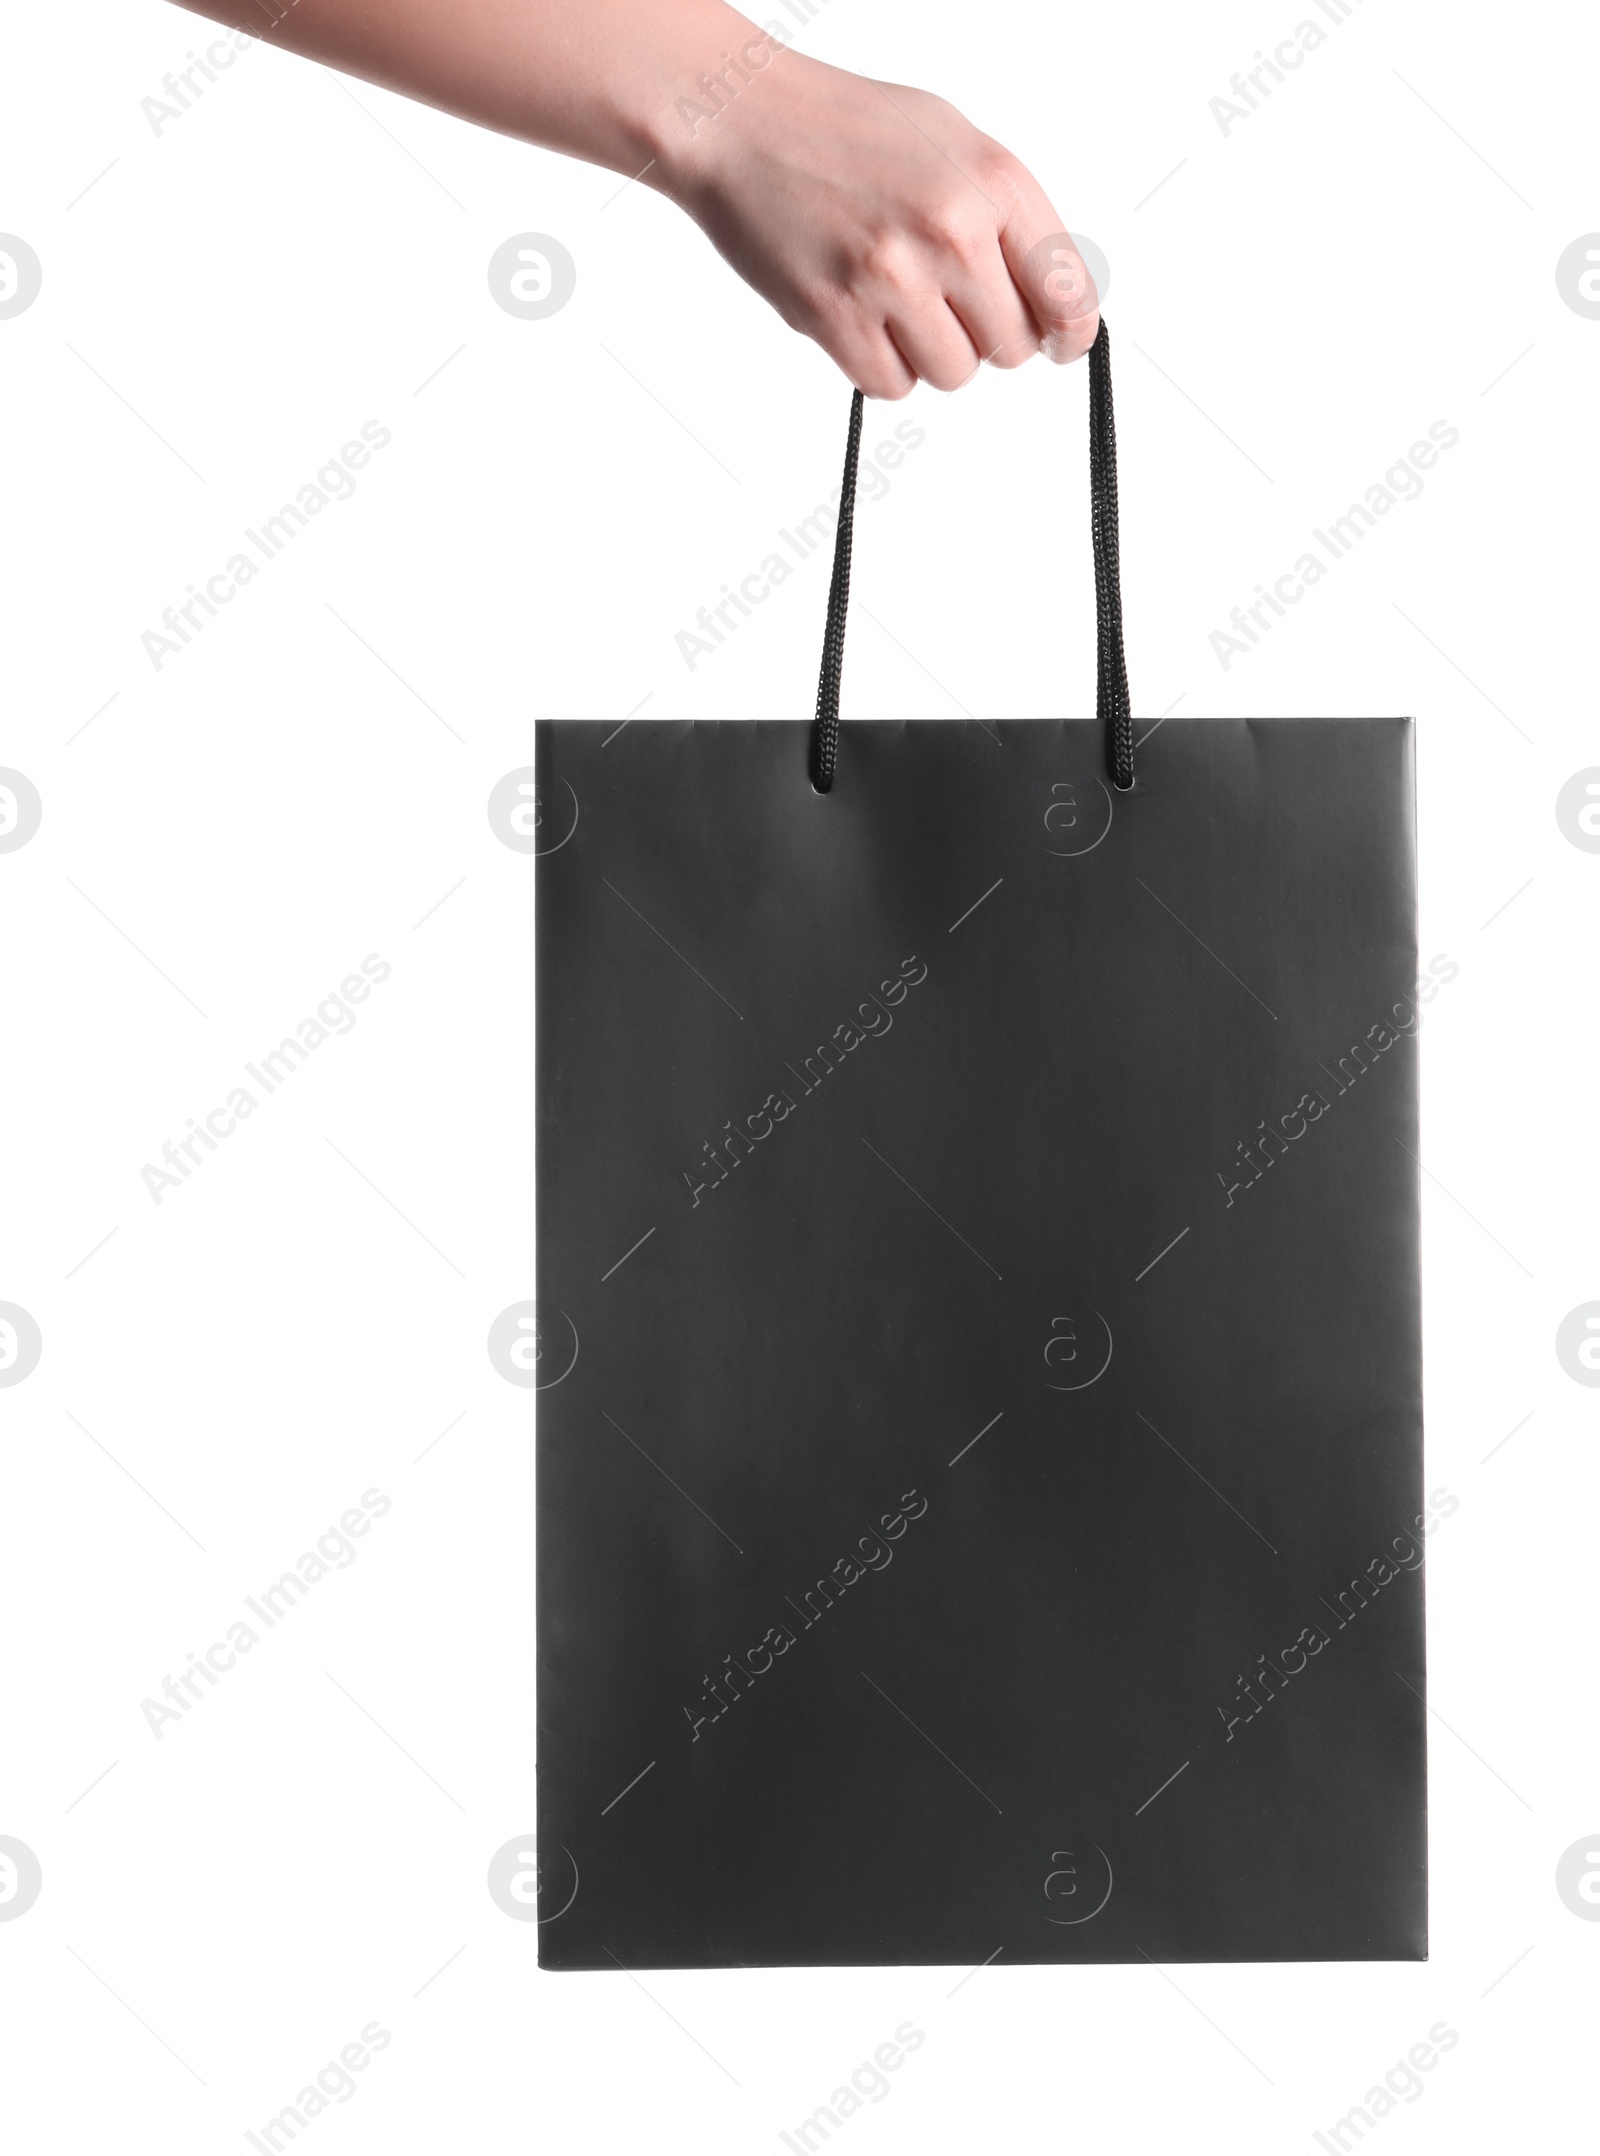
(877, 221)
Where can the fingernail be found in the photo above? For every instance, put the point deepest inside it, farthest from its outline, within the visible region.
(1065, 344)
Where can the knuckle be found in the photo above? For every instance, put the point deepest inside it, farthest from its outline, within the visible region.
(888, 258)
(1015, 352)
(1000, 175)
(959, 227)
(950, 375)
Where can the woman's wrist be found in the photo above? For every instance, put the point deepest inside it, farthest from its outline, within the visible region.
(697, 107)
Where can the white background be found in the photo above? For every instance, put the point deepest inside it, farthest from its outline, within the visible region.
(305, 784)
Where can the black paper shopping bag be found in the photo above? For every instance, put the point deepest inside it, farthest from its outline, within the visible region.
(979, 1435)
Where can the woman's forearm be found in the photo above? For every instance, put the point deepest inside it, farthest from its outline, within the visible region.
(596, 79)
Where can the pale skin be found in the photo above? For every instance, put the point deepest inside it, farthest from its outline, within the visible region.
(876, 219)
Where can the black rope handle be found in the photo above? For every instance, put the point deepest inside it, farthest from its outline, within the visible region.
(1112, 705)
(825, 730)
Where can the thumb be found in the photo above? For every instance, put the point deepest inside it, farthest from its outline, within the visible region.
(1053, 278)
